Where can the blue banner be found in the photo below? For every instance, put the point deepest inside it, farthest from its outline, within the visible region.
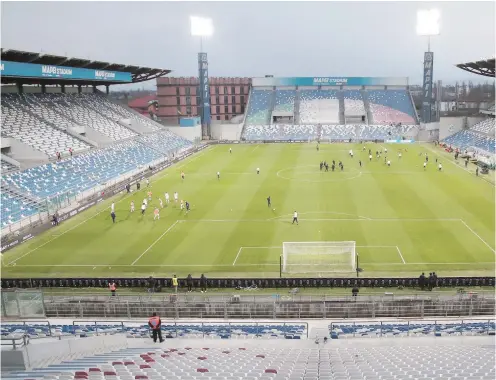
(204, 92)
(31, 70)
(189, 121)
(427, 101)
(330, 81)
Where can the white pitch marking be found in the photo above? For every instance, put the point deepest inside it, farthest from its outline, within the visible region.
(255, 148)
(226, 265)
(399, 253)
(63, 233)
(156, 241)
(448, 159)
(476, 234)
(320, 212)
(236, 259)
(77, 225)
(241, 248)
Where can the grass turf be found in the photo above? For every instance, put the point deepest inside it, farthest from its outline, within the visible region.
(404, 220)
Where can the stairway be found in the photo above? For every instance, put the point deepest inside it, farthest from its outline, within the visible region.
(342, 119)
(367, 106)
(296, 117)
(27, 198)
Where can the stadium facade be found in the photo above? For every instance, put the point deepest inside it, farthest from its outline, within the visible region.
(179, 97)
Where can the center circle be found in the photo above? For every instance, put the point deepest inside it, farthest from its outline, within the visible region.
(311, 173)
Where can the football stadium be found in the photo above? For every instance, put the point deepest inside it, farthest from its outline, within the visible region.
(348, 222)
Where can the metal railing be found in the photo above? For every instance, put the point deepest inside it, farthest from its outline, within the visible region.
(411, 326)
(15, 343)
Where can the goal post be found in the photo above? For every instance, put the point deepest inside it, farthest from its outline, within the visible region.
(318, 257)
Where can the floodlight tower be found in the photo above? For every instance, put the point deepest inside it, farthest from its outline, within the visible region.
(428, 25)
(203, 27)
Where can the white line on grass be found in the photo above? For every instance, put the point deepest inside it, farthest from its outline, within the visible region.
(455, 164)
(63, 233)
(320, 212)
(241, 248)
(225, 265)
(399, 253)
(239, 251)
(328, 219)
(255, 148)
(476, 234)
(156, 241)
(84, 221)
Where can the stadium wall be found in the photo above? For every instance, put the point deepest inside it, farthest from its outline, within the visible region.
(26, 154)
(231, 132)
(189, 133)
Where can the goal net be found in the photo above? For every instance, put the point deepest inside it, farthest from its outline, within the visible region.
(318, 257)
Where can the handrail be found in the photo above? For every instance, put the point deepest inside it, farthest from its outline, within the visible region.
(186, 323)
(12, 341)
(432, 322)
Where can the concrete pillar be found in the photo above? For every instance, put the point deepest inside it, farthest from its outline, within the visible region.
(107, 87)
(19, 87)
(79, 89)
(62, 88)
(94, 88)
(43, 88)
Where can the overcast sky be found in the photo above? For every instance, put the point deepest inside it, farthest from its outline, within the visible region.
(257, 38)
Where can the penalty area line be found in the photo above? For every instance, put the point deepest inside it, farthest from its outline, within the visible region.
(401, 256)
(155, 242)
(478, 236)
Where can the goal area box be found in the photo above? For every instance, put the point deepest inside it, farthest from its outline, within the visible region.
(318, 257)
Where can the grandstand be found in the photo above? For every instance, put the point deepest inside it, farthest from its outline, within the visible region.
(314, 111)
(98, 141)
(481, 137)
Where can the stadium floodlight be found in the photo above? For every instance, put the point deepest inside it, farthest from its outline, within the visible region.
(201, 26)
(428, 22)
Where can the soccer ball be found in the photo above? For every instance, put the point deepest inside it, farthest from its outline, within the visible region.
(273, 209)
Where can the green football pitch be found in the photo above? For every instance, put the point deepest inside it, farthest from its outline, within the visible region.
(403, 219)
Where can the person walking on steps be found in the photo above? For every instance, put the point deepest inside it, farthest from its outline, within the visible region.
(155, 324)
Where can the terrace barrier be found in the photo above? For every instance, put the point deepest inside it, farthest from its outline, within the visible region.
(174, 307)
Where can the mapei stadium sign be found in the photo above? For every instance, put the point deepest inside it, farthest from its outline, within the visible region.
(330, 81)
(31, 70)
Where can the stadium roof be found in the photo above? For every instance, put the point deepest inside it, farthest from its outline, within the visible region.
(485, 67)
(138, 73)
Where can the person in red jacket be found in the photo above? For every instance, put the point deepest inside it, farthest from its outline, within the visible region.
(155, 324)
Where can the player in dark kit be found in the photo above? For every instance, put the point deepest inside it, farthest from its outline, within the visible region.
(333, 167)
(112, 214)
(326, 167)
(321, 164)
(360, 162)
(268, 201)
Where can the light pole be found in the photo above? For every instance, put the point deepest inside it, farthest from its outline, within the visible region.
(428, 25)
(203, 27)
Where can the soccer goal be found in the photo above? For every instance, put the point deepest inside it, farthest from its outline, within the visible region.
(318, 257)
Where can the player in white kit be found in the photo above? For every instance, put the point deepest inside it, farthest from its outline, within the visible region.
(161, 203)
(258, 170)
(389, 163)
(176, 197)
(182, 204)
(167, 198)
(112, 207)
(399, 155)
(351, 153)
(132, 206)
(425, 165)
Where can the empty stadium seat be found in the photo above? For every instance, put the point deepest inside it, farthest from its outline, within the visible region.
(319, 107)
(468, 138)
(259, 107)
(485, 126)
(136, 330)
(285, 100)
(280, 132)
(391, 106)
(353, 103)
(27, 128)
(382, 362)
(349, 330)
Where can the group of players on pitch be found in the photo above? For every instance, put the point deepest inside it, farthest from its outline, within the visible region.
(378, 154)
